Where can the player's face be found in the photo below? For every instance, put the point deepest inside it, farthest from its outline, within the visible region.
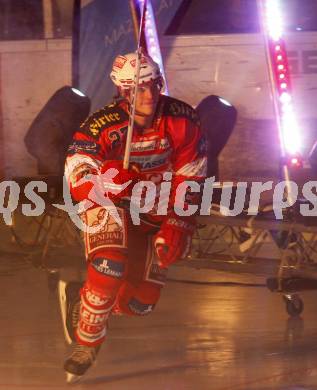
(147, 98)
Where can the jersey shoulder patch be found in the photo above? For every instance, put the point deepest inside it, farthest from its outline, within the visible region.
(103, 119)
(179, 109)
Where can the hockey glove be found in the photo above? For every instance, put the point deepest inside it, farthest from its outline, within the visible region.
(118, 182)
(82, 181)
(110, 180)
(173, 241)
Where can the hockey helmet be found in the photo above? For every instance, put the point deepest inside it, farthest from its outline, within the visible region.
(124, 68)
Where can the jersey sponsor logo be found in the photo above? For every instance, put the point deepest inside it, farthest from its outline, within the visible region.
(140, 308)
(154, 164)
(92, 318)
(143, 146)
(102, 121)
(109, 235)
(106, 239)
(89, 332)
(108, 267)
(164, 143)
(83, 146)
(95, 299)
(151, 161)
(180, 109)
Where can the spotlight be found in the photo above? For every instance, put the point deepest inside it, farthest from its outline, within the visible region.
(217, 117)
(51, 132)
(78, 92)
(225, 102)
(293, 161)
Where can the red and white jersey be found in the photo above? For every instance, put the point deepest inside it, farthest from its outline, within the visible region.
(174, 144)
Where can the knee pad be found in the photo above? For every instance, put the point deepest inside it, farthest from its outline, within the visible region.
(139, 300)
(106, 271)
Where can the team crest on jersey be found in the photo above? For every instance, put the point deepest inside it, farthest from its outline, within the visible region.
(115, 136)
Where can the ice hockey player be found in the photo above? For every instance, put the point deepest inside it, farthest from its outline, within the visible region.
(122, 277)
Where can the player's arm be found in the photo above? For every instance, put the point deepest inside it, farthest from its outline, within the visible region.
(189, 165)
(90, 164)
(84, 158)
(173, 241)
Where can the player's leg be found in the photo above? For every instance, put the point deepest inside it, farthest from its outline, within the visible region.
(140, 300)
(141, 290)
(107, 258)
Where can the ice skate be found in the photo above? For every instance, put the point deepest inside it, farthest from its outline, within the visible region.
(79, 361)
(69, 301)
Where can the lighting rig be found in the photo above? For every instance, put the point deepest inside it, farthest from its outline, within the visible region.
(280, 80)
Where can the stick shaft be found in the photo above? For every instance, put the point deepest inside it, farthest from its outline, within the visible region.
(126, 159)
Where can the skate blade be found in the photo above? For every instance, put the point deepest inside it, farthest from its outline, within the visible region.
(72, 378)
(62, 305)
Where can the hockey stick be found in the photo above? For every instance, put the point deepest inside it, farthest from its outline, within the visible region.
(126, 159)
